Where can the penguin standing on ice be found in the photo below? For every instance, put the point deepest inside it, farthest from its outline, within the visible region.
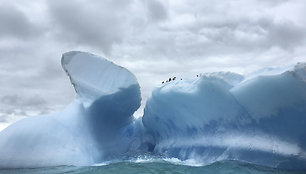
(163, 82)
(169, 79)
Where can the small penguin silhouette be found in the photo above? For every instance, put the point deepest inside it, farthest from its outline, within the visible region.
(169, 79)
(163, 82)
(181, 79)
(174, 78)
(197, 75)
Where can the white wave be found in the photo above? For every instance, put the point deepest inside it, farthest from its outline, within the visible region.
(258, 142)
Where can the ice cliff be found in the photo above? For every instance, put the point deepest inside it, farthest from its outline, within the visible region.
(259, 118)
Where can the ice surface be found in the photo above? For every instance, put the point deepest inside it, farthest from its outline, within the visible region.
(258, 118)
(87, 131)
(93, 77)
(47, 140)
(229, 77)
(192, 107)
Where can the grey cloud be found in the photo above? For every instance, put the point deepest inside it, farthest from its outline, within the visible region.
(32, 80)
(4, 119)
(51, 70)
(103, 24)
(14, 23)
(228, 36)
(273, 2)
(15, 105)
(249, 34)
(18, 101)
(156, 10)
(9, 100)
(286, 35)
(96, 24)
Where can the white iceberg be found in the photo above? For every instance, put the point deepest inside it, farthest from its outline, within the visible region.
(86, 130)
(258, 118)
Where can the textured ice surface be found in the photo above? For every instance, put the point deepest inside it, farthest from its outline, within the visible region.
(191, 108)
(93, 77)
(88, 130)
(46, 140)
(259, 118)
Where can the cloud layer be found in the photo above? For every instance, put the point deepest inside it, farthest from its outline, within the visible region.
(154, 39)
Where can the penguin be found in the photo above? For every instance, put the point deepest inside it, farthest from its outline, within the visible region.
(169, 79)
(174, 78)
(163, 82)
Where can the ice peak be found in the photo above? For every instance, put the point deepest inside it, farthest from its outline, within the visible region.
(93, 76)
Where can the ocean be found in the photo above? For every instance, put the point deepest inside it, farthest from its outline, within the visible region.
(155, 167)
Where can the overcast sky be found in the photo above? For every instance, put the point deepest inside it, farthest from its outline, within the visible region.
(155, 39)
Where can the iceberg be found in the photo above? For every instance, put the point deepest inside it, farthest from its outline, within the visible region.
(261, 119)
(88, 130)
(258, 118)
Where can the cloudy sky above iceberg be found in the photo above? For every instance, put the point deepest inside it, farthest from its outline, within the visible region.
(155, 39)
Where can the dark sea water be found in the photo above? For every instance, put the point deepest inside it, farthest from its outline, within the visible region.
(160, 167)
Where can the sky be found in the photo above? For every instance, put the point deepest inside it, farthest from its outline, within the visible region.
(154, 39)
